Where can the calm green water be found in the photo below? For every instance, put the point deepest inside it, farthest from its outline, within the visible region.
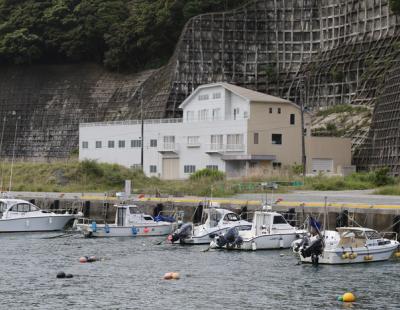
(130, 277)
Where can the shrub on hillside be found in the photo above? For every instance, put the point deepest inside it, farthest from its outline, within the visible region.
(211, 174)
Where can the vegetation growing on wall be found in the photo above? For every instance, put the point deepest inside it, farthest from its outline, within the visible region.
(395, 6)
(121, 34)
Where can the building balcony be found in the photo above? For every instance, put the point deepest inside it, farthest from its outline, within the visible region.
(168, 148)
(224, 148)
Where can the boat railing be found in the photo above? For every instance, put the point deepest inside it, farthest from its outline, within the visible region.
(62, 211)
(176, 214)
(88, 221)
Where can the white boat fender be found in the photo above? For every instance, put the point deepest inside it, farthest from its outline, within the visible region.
(281, 243)
(253, 246)
(94, 226)
(107, 229)
(134, 230)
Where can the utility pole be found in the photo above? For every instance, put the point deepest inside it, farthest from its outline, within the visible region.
(303, 144)
(142, 129)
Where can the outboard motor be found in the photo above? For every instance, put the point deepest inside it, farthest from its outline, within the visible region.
(313, 250)
(182, 233)
(231, 238)
(302, 244)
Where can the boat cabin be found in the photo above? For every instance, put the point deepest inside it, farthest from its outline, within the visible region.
(127, 215)
(214, 216)
(268, 222)
(12, 208)
(359, 237)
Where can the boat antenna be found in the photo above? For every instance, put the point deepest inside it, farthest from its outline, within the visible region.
(13, 153)
(1, 148)
(325, 214)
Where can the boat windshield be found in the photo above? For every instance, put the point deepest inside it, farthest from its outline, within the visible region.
(23, 207)
(133, 210)
(279, 219)
(214, 217)
(3, 207)
(372, 234)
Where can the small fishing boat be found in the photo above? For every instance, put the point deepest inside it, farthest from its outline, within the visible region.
(17, 215)
(217, 221)
(346, 245)
(269, 230)
(129, 222)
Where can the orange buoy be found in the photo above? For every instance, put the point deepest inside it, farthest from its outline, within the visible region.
(176, 276)
(349, 297)
(168, 276)
(83, 259)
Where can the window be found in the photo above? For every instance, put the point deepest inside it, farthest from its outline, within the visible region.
(189, 168)
(212, 167)
(292, 119)
(85, 144)
(276, 138)
(235, 113)
(98, 144)
(136, 167)
(270, 110)
(121, 144)
(193, 140)
(216, 95)
(216, 142)
(256, 138)
(202, 114)
(136, 143)
(279, 110)
(279, 220)
(232, 217)
(153, 169)
(216, 114)
(111, 144)
(153, 143)
(203, 97)
(245, 114)
(234, 139)
(190, 115)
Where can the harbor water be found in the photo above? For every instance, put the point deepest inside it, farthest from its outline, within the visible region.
(129, 276)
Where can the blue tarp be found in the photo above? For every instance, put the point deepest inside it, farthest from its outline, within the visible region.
(162, 218)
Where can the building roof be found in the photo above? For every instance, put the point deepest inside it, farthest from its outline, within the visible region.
(251, 95)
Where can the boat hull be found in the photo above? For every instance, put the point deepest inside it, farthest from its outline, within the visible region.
(364, 255)
(138, 230)
(32, 224)
(269, 242)
(206, 238)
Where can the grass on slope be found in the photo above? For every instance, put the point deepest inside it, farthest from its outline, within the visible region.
(90, 176)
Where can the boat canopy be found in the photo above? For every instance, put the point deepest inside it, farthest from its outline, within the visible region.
(16, 205)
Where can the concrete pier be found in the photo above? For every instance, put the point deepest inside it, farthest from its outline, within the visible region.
(382, 217)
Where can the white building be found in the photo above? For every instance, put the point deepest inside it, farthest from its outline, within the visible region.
(224, 127)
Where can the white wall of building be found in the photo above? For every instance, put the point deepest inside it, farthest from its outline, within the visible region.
(191, 141)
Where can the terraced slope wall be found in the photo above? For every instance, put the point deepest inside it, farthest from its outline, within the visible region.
(325, 52)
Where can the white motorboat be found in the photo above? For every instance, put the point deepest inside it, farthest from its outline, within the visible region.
(269, 230)
(129, 222)
(18, 215)
(217, 221)
(347, 245)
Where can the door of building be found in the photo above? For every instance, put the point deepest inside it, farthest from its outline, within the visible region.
(170, 168)
(322, 165)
